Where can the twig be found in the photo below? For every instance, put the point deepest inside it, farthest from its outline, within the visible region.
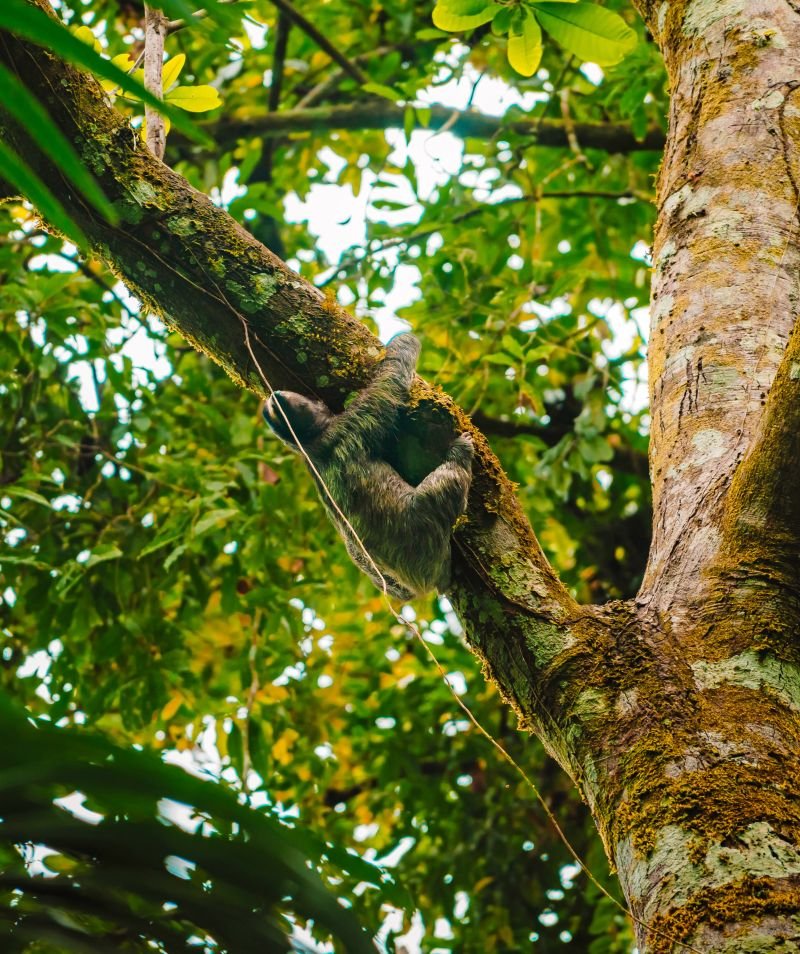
(85, 269)
(350, 261)
(279, 58)
(322, 41)
(327, 85)
(569, 125)
(252, 693)
(155, 33)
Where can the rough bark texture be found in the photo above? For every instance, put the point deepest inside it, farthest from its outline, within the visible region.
(676, 713)
(155, 33)
(707, 837)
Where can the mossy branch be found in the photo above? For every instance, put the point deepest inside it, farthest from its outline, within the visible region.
(218, 287)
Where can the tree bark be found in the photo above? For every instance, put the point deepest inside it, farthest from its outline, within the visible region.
(709, 842)
(155, 32)
(676, 713)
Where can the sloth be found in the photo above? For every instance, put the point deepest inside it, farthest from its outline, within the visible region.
(405, 529)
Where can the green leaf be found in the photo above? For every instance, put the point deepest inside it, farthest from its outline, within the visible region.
(85, 35)
(499, 357)
(502, 21)
(45, 31)
(596, 449)
(106, 551)
(174, 555)
(23, 561)
(457, 15)
(409, 121)
(525, 49)
(380, 90)
(25, 494)
(212, 518)
(513, 347)
(117, 870)
(172, 70)
(590, 32)
(194, 99)
(162, 540)
(18, 174)
(236, 748)
(34, 118)
(124, 62)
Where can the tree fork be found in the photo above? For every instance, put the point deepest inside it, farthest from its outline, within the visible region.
(677, 713)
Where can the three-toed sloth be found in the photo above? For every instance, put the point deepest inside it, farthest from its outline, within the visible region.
(406, 530)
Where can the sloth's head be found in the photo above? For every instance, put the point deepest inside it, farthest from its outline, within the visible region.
(308, 418)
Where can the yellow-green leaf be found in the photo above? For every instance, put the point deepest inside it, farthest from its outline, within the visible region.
(194, 99)
(457, 15)
(124, 62)
(525, 49)
(143, 127)
(172, 70)
(85, 35)
(588, 31)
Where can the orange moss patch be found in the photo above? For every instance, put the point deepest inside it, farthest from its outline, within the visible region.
(738, 903)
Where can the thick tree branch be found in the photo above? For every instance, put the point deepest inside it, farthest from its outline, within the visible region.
(717, 342)
(381, 114)
(761, 528)
(213, 283)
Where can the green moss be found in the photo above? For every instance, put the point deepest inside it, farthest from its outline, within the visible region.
(142, 192)
(297, 325)
(182, 225)
(128, 212)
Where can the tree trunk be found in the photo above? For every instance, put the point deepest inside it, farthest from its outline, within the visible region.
(677, 713)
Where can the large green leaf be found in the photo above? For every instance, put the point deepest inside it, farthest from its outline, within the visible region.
(456, 15)
(525, 48)
(133, 874)
(590, 32)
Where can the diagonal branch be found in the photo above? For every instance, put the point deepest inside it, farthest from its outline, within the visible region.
(322, 41)
(224, 292)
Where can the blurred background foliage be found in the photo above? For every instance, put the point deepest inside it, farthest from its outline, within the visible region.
(167, 573)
